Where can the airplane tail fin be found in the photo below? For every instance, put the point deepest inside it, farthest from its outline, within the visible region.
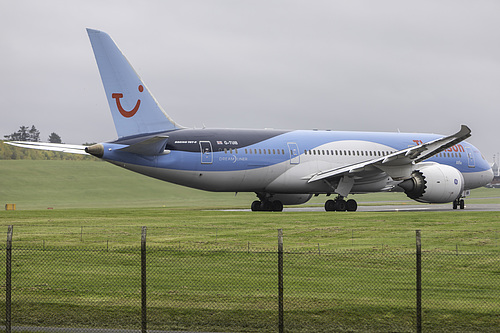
(134, 109)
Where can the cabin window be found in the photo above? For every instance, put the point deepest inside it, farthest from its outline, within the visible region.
(328, 152)
(225, 150)
(269, 151)
(260, 151)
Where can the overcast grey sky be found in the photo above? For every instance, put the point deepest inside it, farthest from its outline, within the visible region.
(413, 66)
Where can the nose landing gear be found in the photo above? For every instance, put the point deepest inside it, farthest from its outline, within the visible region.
(459, 203)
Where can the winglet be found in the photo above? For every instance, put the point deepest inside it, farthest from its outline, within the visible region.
(444, 143)
(134, 109)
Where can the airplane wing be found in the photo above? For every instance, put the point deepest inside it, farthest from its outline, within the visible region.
(61, 147)
(398, 164)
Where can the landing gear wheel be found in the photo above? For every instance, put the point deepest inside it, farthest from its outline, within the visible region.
(266, 206)
(330, 205)
(459, 203)
(351, 205)
(277, 206)
(340, 205)
(256, 206)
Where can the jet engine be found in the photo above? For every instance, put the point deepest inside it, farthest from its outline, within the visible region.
(436, 183)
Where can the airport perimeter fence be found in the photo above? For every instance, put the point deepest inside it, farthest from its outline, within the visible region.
(164, 289)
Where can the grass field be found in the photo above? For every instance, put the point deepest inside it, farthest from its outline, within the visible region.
(216, 271)
(38, 184)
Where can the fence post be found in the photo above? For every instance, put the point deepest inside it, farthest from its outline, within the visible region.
(419, 282)
(8, 281)
(144, 317)
(281, 328)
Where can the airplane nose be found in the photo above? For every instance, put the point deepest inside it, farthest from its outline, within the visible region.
(96, 150)
(490, 175)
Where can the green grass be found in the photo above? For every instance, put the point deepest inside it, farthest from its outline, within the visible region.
(57, 184)
(85, 184)
(216, 271)
(77, 265)
(206, 229)
(236, 291)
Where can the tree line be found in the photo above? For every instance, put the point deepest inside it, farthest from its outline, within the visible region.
(31, 134)
(25, 133)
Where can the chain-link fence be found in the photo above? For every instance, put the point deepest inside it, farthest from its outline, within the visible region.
(160, 288)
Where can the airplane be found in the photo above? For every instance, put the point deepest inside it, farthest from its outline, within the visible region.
(282, 167)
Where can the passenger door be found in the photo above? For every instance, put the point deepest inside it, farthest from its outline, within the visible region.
(470, 157)
(206, 152)
(294, 153)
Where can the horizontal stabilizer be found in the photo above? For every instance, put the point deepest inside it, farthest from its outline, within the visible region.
(60, 147)
(151, 146)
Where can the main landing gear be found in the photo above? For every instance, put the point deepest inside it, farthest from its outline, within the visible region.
(459, 203)
(267, 206)
(340, 205)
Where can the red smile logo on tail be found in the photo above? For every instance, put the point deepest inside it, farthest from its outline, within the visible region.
(125, 113)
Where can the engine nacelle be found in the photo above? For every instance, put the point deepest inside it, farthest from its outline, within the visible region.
(292, 199)
(436, 183)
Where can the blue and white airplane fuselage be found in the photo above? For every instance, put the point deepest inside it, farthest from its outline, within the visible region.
(282, 162)
(280, 166)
